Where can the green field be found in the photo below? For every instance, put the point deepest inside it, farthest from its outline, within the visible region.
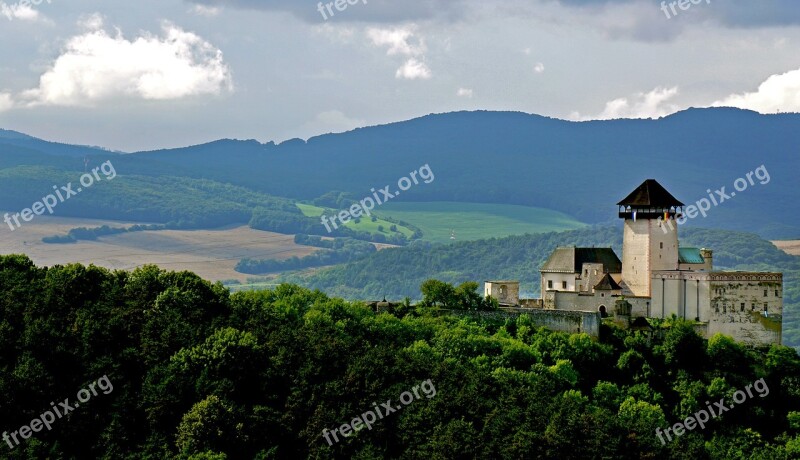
(365, 225)
(473, 221)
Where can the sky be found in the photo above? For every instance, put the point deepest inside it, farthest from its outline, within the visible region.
(150, 74)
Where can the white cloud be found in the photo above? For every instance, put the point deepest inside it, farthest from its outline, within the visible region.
(398, 40)
(402, 41)
(205, 10)
(336, 121)
(6, 102)
(642, 105)
(778, 92)
(413, 69)
(19, 11)
(464, 92)
(96, 66)
(538, 68)
(93, 21)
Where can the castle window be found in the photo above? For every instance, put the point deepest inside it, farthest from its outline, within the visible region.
(777, 293)
(549, 284)
(765, 292)
(563, 285)
(724, 308)
(766, 306)
(742, 307)
(662, 245)
(752, 307)
(586, 272)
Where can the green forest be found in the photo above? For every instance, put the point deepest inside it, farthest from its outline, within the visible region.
(200, 373)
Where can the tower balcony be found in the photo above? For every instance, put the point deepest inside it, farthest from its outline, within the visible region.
(626, 212)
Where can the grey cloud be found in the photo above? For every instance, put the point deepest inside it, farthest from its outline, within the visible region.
(383, 11)
(730, 13)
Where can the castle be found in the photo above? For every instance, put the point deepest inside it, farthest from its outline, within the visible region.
(656, 278)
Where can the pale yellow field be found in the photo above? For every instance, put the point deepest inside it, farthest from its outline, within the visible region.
(212, 254)
(789, 247)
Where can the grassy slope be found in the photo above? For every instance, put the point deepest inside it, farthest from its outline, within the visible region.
(366, 224)
(473, 221)
(470, 221)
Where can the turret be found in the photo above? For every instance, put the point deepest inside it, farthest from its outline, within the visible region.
(650, 238)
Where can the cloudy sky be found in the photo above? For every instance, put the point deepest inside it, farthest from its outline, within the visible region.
(154, 74)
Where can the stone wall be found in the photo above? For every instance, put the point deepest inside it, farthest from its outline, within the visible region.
(573, 322)
(506, 292)
(740, 309)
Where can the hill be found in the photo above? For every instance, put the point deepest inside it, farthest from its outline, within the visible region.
(579, 169)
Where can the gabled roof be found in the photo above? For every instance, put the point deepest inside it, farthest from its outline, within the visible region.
(690, 256)
(571, 259)
(607, 284)
(650, 194)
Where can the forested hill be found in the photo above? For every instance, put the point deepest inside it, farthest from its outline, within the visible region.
(397, 273)
(181, 369)
(499, 157)
(506, 157)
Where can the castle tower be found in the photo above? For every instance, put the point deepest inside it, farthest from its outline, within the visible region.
(650, 238)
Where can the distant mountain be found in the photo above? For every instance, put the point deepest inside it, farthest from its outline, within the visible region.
(14, 138)
(579, 168)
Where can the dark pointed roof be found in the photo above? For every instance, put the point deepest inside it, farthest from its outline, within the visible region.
(650, 194)
(607, 284)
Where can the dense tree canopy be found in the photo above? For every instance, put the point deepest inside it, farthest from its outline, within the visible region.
(200, 373)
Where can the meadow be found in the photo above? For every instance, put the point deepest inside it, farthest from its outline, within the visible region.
(474, 221)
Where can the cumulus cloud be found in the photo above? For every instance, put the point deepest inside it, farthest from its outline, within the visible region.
(6, 102)
(653, 104)
(538, 68)
(778, 92)
(19, 11)
(398, 40)
(97, 66)
(402, 41)
(412, 70)
(464, 92)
